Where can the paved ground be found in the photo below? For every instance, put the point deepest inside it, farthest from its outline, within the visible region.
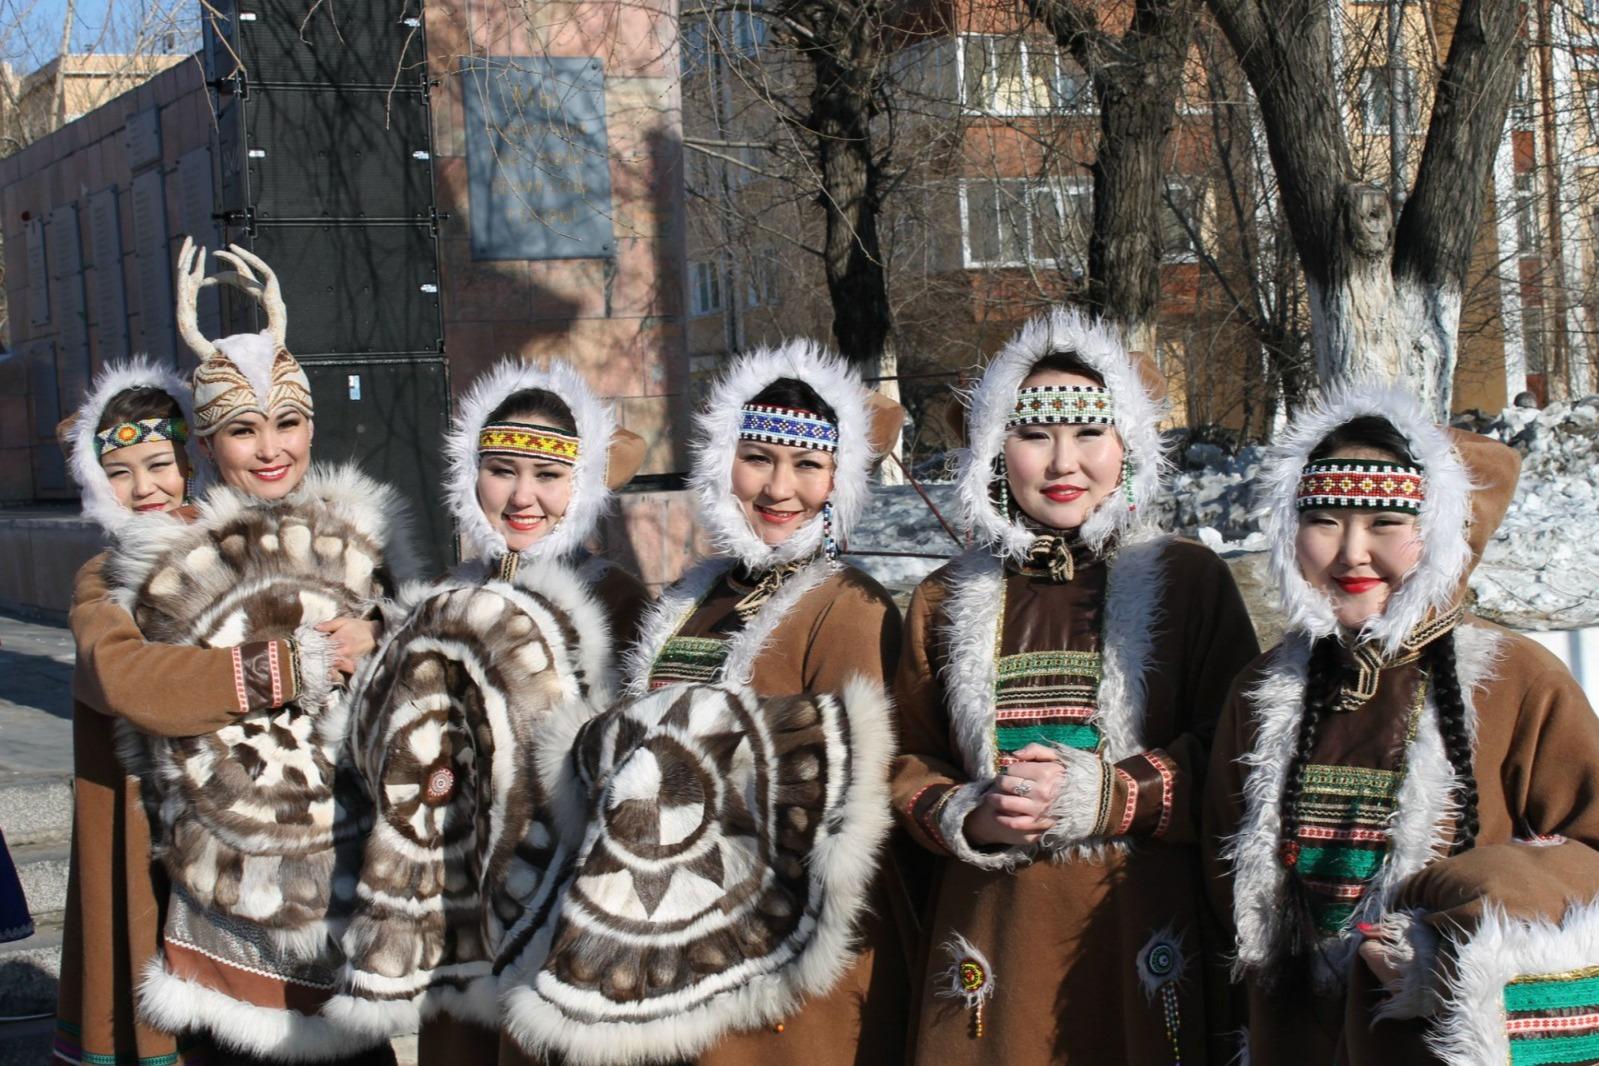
(35, 700)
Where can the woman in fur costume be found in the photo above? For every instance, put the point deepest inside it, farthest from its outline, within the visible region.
(535, 458)
(1402, 812)
(781, 468)
(1057, 697)
(282, 569)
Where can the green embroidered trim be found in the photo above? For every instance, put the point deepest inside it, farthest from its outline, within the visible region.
(68, 1046)
(1049, 664)
(1352, 864)
(1349, 801)
(1070, 734)
(693, 659)
(1555, 1050)
(1350, 781)
(1559, 991)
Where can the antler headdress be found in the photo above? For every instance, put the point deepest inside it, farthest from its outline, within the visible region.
(247, 371)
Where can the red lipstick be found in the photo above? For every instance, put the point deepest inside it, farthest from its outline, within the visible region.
(1063, 493)
(1356, 585)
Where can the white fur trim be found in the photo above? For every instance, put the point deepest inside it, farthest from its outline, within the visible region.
(717, 426)
(1076, 806)
(962, 801)
(174, 1004)
(1434, 584)
(844, 864)
(316, 666)
(674, 608)
(1138, 418)
(1470, 1028)
(596, 424)
(1421, 826)
(99, 499)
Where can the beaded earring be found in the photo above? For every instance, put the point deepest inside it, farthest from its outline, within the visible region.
(829, 545)
(1127, 482)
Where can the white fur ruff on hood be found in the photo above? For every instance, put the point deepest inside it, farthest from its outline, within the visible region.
(596, 423)
(99, 499)
(1138, 417)
(1445, 554)
(717, 429)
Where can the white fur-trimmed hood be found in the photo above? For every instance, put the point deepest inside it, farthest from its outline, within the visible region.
(99, 499)
(1138, 417)
(716, 438)
(596, 424)
(1435, 583)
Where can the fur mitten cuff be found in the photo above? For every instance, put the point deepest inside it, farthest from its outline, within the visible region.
(313, 667)
(1412, 947)
(961, 801)
(1081, 808)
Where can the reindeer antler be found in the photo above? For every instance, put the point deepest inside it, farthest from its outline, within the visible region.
(265, 288)
(191, 279)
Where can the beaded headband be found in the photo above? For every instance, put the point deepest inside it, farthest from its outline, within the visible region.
(790, 426)
(144, 431)
(527, 441)
(1071, 405)
(1370, 484)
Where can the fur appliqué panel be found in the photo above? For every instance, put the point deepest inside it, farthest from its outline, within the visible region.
(1138, 418)
(450, 722)
(673, 609)
(717, 435)
(591, 496)
(1434, 584)
(1420, 830)
(1161, 963)
(969, 978)
(1132, 611)
(731, 848)
(99, 499)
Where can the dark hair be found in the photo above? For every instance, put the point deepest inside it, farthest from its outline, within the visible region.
(1066, 362)
(535, 405)
(1367, 431)
(791, 392)
(137, 404)
(1443, 675)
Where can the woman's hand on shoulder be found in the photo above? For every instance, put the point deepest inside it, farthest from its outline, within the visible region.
(350, 640)
(1014, 812)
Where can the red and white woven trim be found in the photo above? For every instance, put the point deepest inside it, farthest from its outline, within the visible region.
(277, 674)
(1168, 787)
(239, 690)
(1130, 808)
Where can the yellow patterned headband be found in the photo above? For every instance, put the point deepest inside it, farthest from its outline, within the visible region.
(523, 440)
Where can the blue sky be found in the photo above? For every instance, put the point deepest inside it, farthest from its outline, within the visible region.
(30, 30)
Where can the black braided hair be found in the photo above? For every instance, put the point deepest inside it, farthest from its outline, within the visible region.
(1323, 682)
(1444, 678)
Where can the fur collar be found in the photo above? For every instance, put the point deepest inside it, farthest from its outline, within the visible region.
(1132, 610)
(99, 499)
(596, 424)
(1138, 416)
(1435, 583)
(717, 429)
(667, 615)
(1420, 830)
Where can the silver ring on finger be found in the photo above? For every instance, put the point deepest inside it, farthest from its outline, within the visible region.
(1022, 787)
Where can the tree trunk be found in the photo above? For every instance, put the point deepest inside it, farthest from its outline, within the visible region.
(1136, 80)
(842, 103)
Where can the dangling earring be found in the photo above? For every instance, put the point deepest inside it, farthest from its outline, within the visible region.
(1127, 482)
(829, 545)
(1004, 489)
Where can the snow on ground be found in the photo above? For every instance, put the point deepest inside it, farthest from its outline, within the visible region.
(1541, 570)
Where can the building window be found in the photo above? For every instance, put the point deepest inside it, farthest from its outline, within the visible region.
(1526, 214)
(1376, 105)
(694, 44)
(746, 33)
(1521, 99)
(1590, 12)
(1180, 211)
(1015, 76)
(705, 287)
(1021, 222)
(760, 282)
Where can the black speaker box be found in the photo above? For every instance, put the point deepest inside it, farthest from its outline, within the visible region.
(389, 415)
(315, 42)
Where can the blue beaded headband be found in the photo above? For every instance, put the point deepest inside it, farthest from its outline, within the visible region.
(789, 426)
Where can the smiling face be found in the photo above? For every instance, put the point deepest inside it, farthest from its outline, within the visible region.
(522, 497)
(149, 476)
(780, 488)
(264, 457)
(1058, 474)
(1357, 557)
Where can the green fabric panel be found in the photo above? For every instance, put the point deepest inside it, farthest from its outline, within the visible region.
(1356, 864)
(1556, 994)
(1553, 1050)
(1071, 734)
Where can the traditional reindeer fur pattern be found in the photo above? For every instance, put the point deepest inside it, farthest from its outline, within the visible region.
(249, 815)
(449, 722)
(731, 846)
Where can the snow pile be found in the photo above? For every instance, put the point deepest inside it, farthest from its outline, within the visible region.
(898, 520)
(1541, 570)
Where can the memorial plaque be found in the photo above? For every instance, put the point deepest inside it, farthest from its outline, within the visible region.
(197, 217)
(539, 175)
(142, 136)
(38, 276)
(110, 295)
(66, 254)
(153, 265)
